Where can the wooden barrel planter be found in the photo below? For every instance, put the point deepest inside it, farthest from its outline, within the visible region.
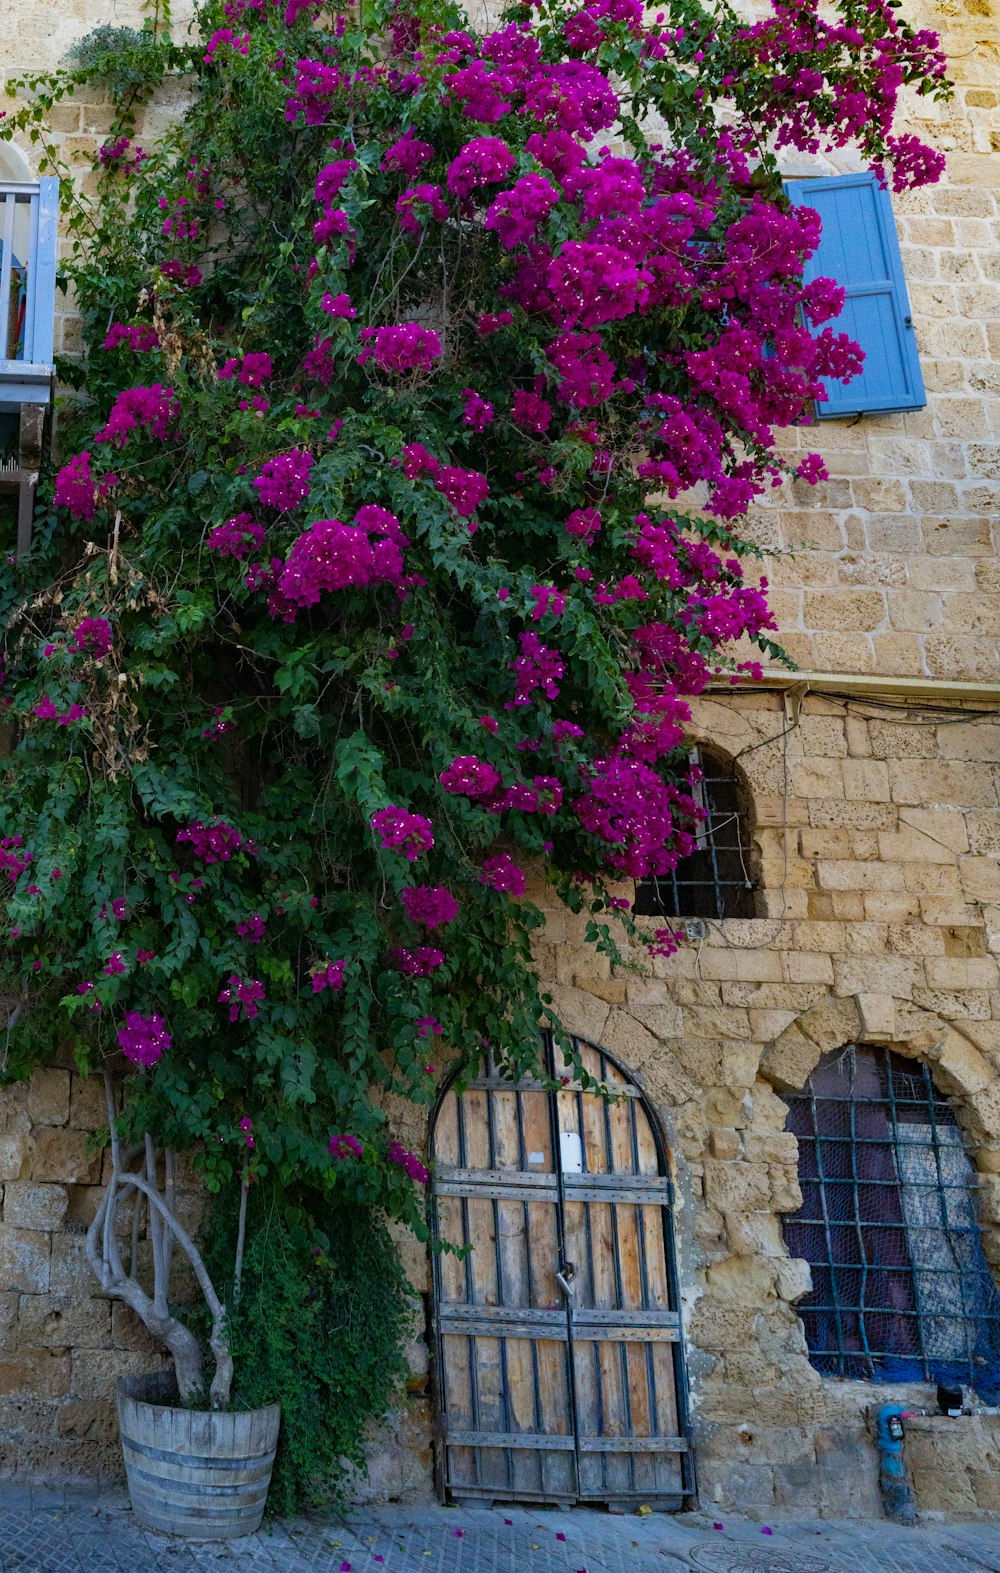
(194, 1472)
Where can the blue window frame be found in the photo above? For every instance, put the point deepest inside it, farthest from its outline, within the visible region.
(859, 249)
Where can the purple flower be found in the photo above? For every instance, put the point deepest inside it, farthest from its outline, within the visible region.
(429, 905)
(76, 488)
(328, 975)
(92, 636)
(419, 962)
(410, 834)
(142, 1039)
(242, 993)
(346, 1147)
(408, 1161)
(404, 347)
(469, 776)
(214, 843)
(283, 483)
(502, 873)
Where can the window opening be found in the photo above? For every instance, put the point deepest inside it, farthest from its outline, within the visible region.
(889, 1225)
(715, 880)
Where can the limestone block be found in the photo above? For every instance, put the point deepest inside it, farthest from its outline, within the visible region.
(765, 1025)
(30, 1206)
(87, 1108)
(890, 906)
(37, 1373)
(793, 1278)
(878, 1015)
(772, 1147)
(612, 990)
(808, 967)
(95, 1371)
(943, 1491)
(755, 1234)
(48, 1097)
(66, 1155)
(64, 1321)
(786, 1194)
(757, 965)
(986, 1490)
(15, 1155)
(725, 1144)
(738, 1486)
(69, 1271)
(790, 1060)
(742, 1280)
(876, 974)
(24, 1259)
(970, 1006)
(817, 778)
(980, 877)
(736, 1187)
(961, 972)
(90, 1419)
(846, 874)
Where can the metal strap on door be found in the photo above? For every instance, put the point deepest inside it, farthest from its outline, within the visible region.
(559, 1372)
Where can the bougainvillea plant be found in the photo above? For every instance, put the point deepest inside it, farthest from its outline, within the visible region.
(429, 374)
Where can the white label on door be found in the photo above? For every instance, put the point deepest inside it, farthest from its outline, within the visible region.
(536, 1157)
(570, 1153)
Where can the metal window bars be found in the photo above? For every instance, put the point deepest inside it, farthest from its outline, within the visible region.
(889, 1225)
(715, 881)
(29, 223)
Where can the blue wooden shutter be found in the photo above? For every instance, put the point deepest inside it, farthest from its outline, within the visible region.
(859, 249)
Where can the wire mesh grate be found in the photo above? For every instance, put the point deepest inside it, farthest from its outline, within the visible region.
(889, 1225)
(715, 880)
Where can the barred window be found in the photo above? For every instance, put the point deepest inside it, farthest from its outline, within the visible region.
(902, 1291)
(716, 880)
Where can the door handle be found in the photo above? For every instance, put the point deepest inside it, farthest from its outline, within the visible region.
(564, 1278)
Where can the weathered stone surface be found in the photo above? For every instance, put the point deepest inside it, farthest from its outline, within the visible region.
(48, 1097)
(24, 1259)
(27, 1205)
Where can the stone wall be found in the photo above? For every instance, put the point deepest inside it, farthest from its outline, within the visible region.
(877, 836)
(876, 831)
(62, 1343)
(903, 578)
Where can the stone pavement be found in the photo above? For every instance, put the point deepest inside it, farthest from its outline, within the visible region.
(52, 1532)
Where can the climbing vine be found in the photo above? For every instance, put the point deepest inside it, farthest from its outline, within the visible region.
(429, 375)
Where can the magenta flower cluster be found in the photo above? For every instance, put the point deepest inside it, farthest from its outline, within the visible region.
(91, 636)
(469, 776)
(211, 843)
(418, 962)
(403, 832)
(405, 347)
(152, 409)
(143, 1039)
(429, 905)
(502, 873)
(328, 975)
(242, 994)
(408, 1162)
(333, 556)
(283, 483)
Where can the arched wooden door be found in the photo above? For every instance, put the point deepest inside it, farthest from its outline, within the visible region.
(560, 1374)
